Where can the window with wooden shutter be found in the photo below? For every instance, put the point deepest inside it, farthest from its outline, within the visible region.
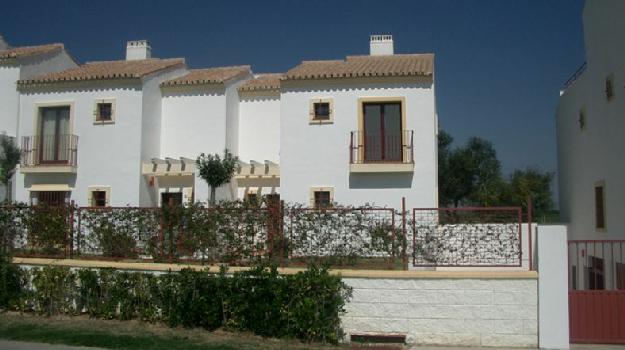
(600, 207)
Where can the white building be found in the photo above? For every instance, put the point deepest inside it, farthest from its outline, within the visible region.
(23, 63)
(354, 131)
(591, 126)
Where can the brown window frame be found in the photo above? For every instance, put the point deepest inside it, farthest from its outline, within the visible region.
(99, 117)
(95, 199)
(321, 117)
(318, 201)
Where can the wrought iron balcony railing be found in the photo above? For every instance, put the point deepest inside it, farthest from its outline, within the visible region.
(393, 148)
(49, 150)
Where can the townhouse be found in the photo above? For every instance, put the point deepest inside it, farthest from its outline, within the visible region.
(353, 131)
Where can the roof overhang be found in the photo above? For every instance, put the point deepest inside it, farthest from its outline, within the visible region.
(257, 170)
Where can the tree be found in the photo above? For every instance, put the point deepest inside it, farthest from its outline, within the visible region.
(534, 184)
(470, 174)
(216, 171)
(9, 159)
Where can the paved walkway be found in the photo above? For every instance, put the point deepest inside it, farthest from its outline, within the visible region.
(18, 345)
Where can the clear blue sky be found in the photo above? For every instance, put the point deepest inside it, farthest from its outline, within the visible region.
(499, 63)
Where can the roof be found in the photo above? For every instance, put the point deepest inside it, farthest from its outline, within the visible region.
(217, 75)
(107, 70)
(29, 51)
(268, 81)
(365, 66)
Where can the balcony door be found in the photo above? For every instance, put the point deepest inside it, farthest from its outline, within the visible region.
(382, 132)
(54, 135)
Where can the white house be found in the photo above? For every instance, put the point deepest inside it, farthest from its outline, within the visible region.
(23, 63)
(360, 130)
(85, 131)
(591, 125)
(354, 131)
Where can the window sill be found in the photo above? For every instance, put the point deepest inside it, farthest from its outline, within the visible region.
(320, 122)
(66, 169)
(103, 122)
(381, 168)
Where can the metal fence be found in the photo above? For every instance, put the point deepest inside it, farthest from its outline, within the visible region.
(288, 234)
(467, 237)
(596, 264)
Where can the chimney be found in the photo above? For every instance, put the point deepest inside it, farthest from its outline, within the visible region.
(3, 44)
(138, 50)
(381, 45)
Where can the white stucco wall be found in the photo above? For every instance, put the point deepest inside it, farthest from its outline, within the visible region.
(259, 126)
(194, 122)
(317, 155)
(586, 157)
(461, 312)
(9, 98)
(108, 154)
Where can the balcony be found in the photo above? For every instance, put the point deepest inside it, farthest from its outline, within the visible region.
(381, 152)
(49, 154)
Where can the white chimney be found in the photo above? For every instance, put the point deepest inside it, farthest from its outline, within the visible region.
(3, 44)
(381, 45)
(138, 50)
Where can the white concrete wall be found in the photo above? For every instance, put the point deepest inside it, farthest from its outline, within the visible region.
(553, 310)
(9, 98)
(594, 154)
(108, 154)
(462, 312)
(194, 122)
(317, 155)
(151, 125)
(259, 126)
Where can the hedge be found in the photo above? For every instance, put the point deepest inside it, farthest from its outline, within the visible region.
(306, 305)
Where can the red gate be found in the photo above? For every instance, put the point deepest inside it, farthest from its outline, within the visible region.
(597, 291)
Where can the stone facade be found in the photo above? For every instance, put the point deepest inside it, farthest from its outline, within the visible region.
(467, 312)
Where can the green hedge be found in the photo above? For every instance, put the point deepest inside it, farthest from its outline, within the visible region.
(306, 305)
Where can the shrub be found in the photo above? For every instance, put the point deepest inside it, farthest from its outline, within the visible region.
(305, 306)
(13, 282)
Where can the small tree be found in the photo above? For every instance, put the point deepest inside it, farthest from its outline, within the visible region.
(9, 159)
(215, 170)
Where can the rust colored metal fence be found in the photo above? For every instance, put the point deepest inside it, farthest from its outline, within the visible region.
(597, 291)
(467, 237)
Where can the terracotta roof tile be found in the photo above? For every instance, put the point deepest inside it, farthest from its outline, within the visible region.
(106, 70)
(29, 51)
(365, 66)
(218, 75)
(268, 81)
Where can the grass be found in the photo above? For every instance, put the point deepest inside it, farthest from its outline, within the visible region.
(135, 335)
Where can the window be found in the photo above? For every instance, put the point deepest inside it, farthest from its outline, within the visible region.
(99, 196)
(620, 276)
(105, 112)
(251, 198)
(321, 197)
(98, 199)
(574, 277)
(582, 119)
(609, 87)
(321, 111)
(599, 206)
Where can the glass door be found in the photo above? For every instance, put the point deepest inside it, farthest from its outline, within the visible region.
(54, 135)
(382, 132)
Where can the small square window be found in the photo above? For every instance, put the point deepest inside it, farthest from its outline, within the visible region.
(98, 198)
(609, 87)
(251, 198)
(322, 199)
(104, 112)
(322, 111)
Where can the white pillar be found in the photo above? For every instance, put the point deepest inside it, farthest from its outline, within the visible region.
(553, 295)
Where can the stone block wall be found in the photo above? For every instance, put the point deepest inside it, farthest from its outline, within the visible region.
(446, 311)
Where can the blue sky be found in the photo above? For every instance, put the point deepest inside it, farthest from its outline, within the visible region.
(499, 63)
